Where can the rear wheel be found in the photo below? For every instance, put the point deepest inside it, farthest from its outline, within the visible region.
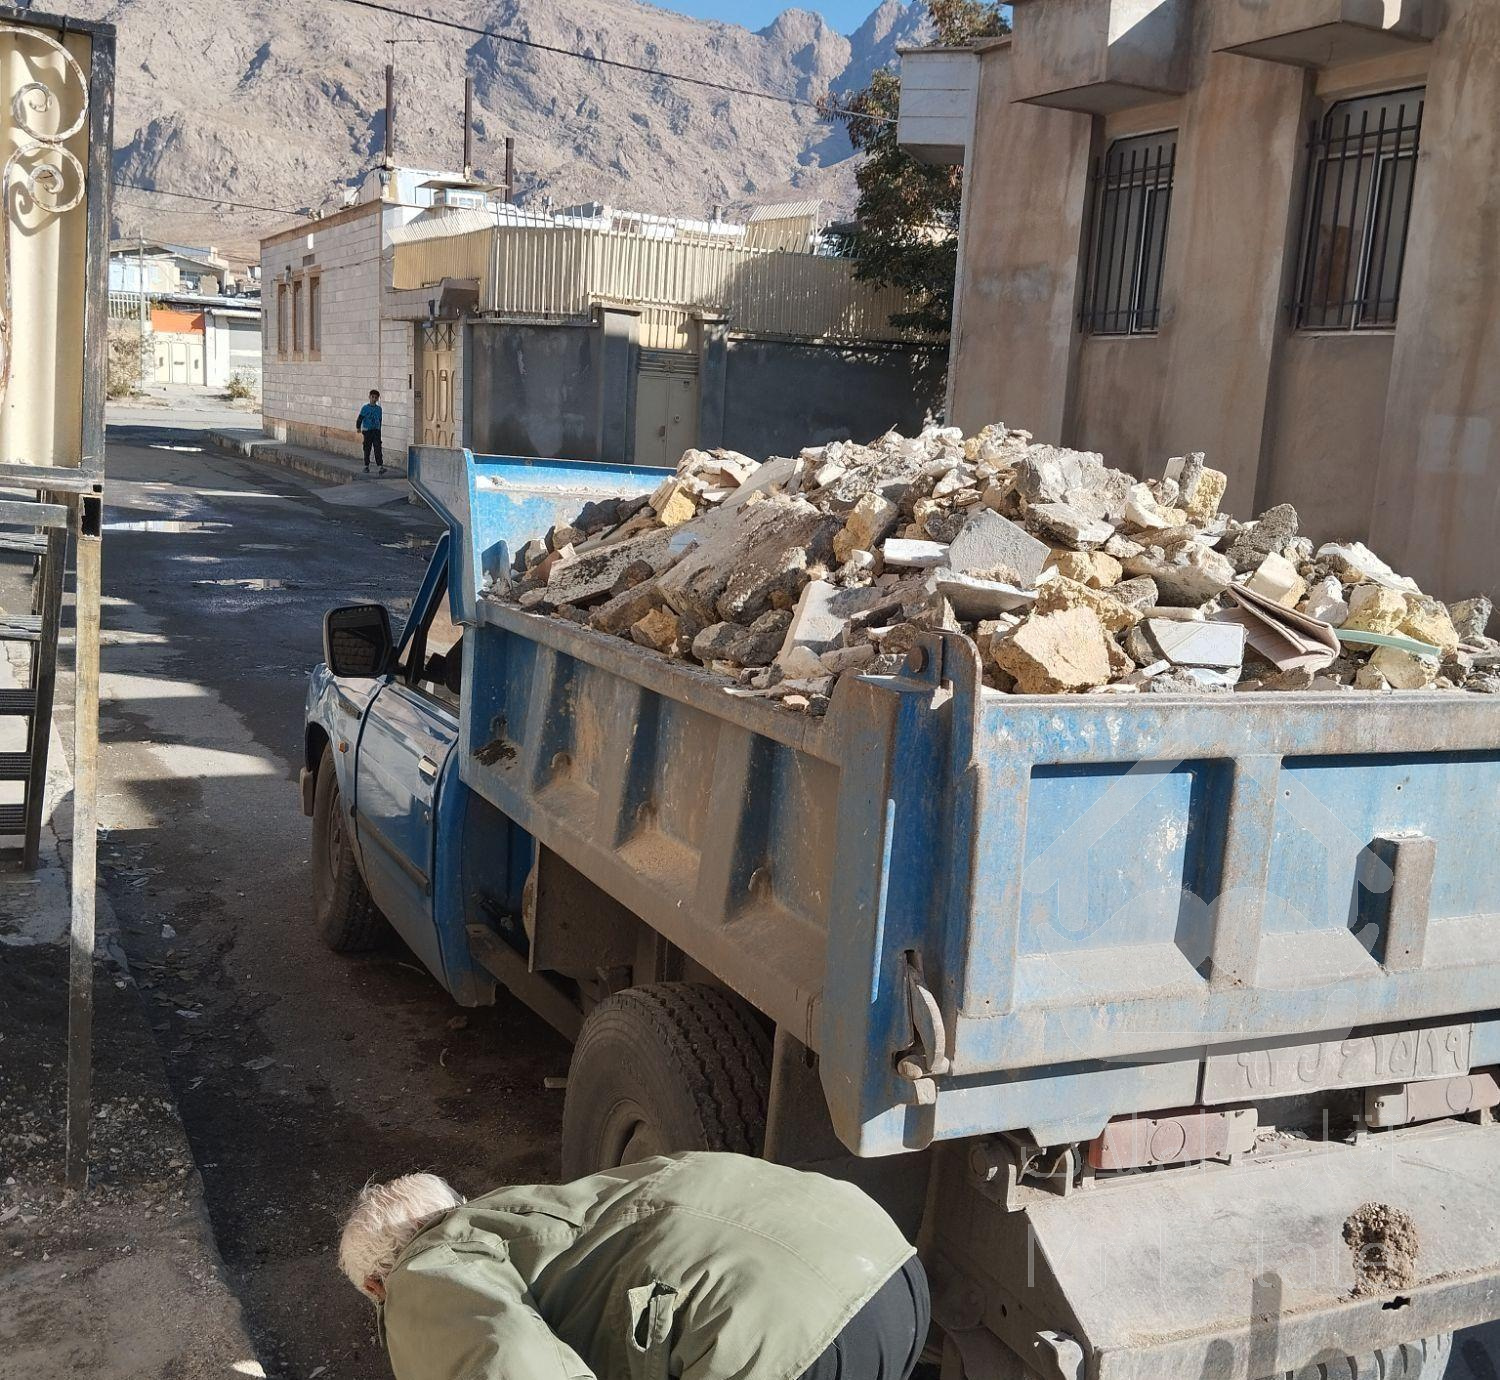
(667, 1067)
(345, 914)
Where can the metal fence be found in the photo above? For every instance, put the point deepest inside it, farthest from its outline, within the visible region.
(1130, 213)
(1361, 170)
(561, 273)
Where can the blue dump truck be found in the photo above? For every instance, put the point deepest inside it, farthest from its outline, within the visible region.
(1166, 1026)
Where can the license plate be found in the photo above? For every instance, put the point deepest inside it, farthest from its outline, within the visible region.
(1399, 1056)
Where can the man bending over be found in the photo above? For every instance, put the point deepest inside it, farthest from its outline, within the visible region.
(684, 1267)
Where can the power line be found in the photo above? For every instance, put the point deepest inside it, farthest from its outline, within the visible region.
(208, 200)
(824, 112)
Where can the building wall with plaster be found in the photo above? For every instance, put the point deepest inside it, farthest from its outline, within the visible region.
(1390, 434)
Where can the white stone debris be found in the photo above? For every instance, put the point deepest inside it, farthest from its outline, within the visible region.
(1067, 576)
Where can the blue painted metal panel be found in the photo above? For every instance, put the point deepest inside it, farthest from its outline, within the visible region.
(1098, 890)
(494, 504)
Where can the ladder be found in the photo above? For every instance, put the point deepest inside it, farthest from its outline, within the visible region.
(37, 528)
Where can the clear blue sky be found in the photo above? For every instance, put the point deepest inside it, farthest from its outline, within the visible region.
(843, 15)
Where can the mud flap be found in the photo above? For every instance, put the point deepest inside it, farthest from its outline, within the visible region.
(1232, 1272)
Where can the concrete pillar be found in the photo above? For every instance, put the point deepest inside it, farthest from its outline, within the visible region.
(1234, 196)
(619, 353)
(1437, 494)
(1016, 319)
(713, 378)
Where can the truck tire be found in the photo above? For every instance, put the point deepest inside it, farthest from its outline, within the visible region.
(343, 910)
(661, 1068)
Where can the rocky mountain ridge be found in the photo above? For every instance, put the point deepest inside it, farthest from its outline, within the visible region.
(282, 105)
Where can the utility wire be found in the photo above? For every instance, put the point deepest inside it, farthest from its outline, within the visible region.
(826, 112)
(208, 200)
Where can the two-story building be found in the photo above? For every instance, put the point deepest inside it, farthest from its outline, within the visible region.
(1265, 229)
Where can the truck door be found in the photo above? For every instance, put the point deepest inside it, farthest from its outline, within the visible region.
(410, 729)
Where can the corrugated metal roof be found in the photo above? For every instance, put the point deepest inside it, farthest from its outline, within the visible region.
(785, 210)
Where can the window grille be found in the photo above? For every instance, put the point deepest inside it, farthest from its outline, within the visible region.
(1361, 170)
(1131, 204)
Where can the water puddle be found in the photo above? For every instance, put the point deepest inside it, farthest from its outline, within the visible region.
(263, 582)
(166, 525)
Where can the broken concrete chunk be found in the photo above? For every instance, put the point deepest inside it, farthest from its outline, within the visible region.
(1144, 513)
(718, 641)
(776, 563)
(1401, 670)
(590, 578)
(868, 521)
(1218, 646)
(992, 547)
(900, 554)
(799, 662)
(1471, 617)
(1374, 608)
(781, 473)
(1428, 621)
(972, 599)
(1271, 531)
(658, 630)
(1192, 574)
(628, 607)
(1325, 600)
(1056, 653)
(842, 659)
(1277, 578)
(1139, 593)
(1045, 473)
(1092, 568)
(1355, 563)
(673, 503)
(1065, 525)
(822, 615)
(1063, 593)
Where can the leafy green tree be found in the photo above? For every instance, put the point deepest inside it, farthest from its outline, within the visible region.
(906, 221)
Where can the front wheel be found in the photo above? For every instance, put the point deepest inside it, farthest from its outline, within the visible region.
(662, 1068)
(346, 917)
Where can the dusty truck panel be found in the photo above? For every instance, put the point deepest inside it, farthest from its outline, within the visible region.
(1110, 900)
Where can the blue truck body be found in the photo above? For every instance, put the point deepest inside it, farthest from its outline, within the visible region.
(990, 922)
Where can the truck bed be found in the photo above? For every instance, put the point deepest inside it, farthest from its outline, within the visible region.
(1093, 904)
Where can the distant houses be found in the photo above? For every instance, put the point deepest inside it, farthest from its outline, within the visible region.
(586, 332)
(199, 321)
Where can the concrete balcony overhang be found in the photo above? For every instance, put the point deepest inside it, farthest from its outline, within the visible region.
(939, 91)
(1099, 56)
(1322, 33)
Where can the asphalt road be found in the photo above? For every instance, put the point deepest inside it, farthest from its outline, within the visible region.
(300, 1073)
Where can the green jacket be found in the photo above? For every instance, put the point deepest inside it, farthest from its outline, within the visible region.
(699, 1266)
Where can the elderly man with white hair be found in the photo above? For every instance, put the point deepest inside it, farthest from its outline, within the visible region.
(697, 1266)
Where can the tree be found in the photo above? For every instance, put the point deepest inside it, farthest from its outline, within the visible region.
(906, 220)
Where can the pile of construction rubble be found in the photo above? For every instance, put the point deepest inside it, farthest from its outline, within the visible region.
(1067, 575)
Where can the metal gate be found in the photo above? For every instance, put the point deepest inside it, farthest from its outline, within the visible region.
(56, 106)
(436, 400)
(666, 406)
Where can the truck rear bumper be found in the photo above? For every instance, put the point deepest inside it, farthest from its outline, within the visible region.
(1230, 1272)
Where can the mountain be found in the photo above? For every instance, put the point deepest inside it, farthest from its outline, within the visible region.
(283, 104)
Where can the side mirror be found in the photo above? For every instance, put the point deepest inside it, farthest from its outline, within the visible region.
(357, 640)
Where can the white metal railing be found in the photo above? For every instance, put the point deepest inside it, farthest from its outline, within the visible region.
(561, 273)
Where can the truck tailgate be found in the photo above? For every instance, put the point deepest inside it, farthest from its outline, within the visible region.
(1234, 1273)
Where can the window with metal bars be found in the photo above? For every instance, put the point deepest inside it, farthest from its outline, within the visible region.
(1361, 170)
(1131, 206)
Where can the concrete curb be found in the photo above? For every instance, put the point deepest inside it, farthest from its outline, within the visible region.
(332, 469)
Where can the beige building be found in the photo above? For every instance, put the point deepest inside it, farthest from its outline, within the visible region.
(1265, 229)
